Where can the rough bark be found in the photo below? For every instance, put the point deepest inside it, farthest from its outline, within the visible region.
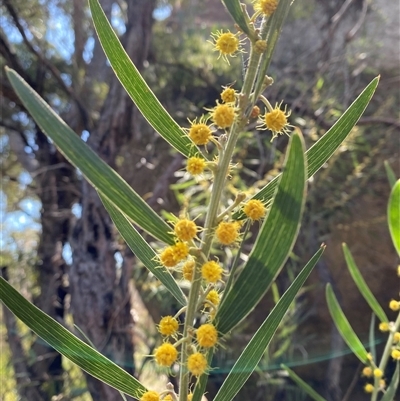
(100, 294)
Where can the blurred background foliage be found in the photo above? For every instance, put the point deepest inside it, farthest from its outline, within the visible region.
(327, 54)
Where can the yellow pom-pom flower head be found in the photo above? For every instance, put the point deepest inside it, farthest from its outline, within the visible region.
(226, 43)
(199, 132)
(265, 7)
(276, 120)
(180, 251)
(211, 272)
(207, 335)
(195, 165)
(227, 232)
(150, 396)
(254, 209)
(167, 257)
(185, 229)
(223, 115)
(168, 326)
(228, 95)
(166, 354)
(213, 297)
(172, 255)
(197, 364)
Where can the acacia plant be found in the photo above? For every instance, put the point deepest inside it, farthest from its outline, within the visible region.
(219, 296)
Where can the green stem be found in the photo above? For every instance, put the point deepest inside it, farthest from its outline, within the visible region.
(220, 174)
(385, 356)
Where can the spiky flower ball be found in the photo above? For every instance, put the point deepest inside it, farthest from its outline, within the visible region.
(188, 270)
(265, 7)
(228, 95)
(185, 229)
(223, 115)
(211, 272)
(150, 396)
(207, 335)
(254, 209)
(213, 297)
(180, 251)
(260, 46)
(226, 43)
(167, 257)
(197, 364)
(195, 165)
(166, 354)
(276, 120)
(227, 232)
(168, 326)
(200, 133)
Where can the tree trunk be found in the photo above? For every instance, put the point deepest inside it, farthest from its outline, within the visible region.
(100, 295)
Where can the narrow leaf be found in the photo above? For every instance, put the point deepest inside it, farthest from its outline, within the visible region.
(274, 242)
(96, 171)
(255, 349)
(326, 146)
(303, 385)
(67, 344)
(235, 10)
(362, 285)
(136, 86)
(343, 326)
(393, 386)
(143, 250)
(390, 174)
(372, 347)
(394, 216)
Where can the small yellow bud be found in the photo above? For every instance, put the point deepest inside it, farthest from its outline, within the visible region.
(384, 326)
(367, 371)
(395, 354)
(260, 46)
(396, 337)
(378, 373)
(369, 388)
(394, 305)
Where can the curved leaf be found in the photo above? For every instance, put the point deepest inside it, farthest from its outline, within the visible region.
(362, 285)
(326, 146)
(390, 174)
(96, 171)
(137, 88)
(143, 250)
(235, 10)
(87, 358)
(274, 242)
(255, 349)
(303, 385)
(343, 326)
(394, 216)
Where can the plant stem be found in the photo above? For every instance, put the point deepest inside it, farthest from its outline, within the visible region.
(220, 174)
